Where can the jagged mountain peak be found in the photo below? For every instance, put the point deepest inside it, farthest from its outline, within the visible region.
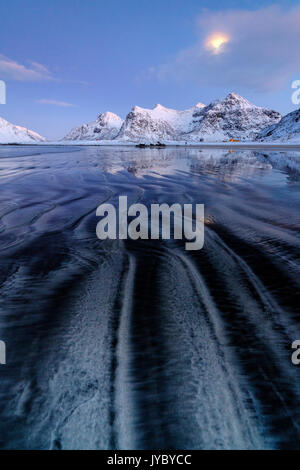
(200, 105)
(236, 97)
(233, 100)
(158, 123)
(157, 107)
(108, 115)
(105, 127)
(231, 117)
(288, 129)
(160, 108)
(138, 109)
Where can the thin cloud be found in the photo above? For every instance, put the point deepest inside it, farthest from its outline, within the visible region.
(62, 104)
(35, 72)
(262, 52)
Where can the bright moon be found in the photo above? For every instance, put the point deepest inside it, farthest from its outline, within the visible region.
(215, 42)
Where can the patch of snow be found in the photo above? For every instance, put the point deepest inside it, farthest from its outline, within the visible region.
(287, 130)
(11, 134)
(105, 127)
(159, 123)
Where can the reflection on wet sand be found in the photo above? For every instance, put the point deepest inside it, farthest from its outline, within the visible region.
(140, 344)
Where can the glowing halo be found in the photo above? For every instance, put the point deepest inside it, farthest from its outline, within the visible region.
(216, 41)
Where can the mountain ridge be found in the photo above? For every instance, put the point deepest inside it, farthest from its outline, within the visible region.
(222, 120)
(232, 117)
(287, 129)
(11, 134)
(105, 127)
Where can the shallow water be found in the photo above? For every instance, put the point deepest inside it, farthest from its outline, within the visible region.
(142, 344)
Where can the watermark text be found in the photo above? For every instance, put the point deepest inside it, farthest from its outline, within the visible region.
(296, 354)
(296, 94)
(2, 352)
(2, 92)
(162, 222)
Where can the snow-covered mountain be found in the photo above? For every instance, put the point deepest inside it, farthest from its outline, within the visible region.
(233, 117)
(106, 127)
(288, 129)
(11, 134)
(159, 123)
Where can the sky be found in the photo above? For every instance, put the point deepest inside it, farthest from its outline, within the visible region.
(66, 61)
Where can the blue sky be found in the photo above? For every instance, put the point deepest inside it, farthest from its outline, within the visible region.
(65, 61)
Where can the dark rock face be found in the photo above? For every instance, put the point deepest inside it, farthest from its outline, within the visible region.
(233, 117)
(287, 129)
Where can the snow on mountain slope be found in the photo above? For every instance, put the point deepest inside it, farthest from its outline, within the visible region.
(159, 123)
(11, 134)
(288, 129)
(233, 117)
(106, 127)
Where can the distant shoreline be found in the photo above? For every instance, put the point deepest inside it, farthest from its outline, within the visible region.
(224, 146)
